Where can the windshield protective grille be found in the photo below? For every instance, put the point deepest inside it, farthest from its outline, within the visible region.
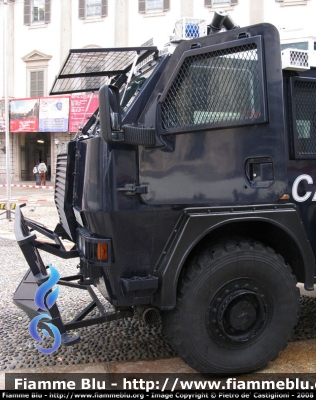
(86, 70)
(218, 88)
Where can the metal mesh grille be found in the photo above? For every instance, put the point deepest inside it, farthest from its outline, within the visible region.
(299, 58)
(220, 87)
(78, 63)
(189, 28)
(60, 191)
(73, 85)
(305, 119)
(88, 69)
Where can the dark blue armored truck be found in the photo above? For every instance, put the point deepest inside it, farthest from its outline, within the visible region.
(189, 194)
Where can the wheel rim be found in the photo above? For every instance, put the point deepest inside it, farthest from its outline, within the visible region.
(237, 313)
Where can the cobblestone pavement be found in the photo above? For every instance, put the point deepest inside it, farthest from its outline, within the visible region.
(117, 346)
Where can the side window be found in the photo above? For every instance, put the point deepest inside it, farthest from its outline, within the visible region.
(151, 6)
(303, 95)
(218, 88)
(36, 12)
(93, 9)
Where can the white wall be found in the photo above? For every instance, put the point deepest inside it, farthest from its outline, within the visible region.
(43, 37)
(158, 26)
(293, 21)
(99, 31)
(240, 13)
(67, 31)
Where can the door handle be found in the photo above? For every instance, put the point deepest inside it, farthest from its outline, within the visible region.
(260, 171)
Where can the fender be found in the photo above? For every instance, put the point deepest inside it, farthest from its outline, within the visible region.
(196, 223)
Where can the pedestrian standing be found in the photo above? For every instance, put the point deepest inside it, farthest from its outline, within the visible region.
(36, 173)
(42, 169)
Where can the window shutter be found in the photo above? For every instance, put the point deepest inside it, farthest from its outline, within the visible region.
(36, 83)
(104, 10)
(40, 83)
(166, 5)
(47, 11)
(27, 12)
(82, 9)
(142, 6)
(207, 3)
(33, 84)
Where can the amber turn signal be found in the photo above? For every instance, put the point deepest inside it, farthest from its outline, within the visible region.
(102, 251)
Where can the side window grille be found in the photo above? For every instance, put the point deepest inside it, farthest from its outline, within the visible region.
(303, 117)
(214, 89)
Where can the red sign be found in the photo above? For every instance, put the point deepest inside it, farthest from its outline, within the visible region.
(24, 115)
(81, 109)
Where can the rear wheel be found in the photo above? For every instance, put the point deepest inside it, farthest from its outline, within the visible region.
(237, 305)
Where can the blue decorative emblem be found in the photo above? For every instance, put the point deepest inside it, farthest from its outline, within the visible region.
(45, 303)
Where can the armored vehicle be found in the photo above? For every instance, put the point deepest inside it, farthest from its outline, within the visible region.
(189, 194)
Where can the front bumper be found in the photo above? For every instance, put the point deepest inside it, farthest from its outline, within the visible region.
(37, 275)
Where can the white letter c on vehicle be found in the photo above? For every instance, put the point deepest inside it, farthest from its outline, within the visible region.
(297, 181)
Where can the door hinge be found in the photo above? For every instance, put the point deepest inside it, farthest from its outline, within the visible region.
(131, 189)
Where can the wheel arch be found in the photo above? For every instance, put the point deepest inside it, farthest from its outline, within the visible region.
(283, 231)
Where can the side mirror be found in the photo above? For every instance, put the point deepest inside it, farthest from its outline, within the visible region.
(109, 111)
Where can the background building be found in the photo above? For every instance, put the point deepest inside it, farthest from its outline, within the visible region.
(41, 32)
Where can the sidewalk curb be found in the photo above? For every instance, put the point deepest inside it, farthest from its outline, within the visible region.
(27, 186)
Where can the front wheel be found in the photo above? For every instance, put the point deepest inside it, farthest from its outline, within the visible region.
(237, 305)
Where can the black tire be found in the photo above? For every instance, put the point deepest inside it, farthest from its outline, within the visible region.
(237, 305)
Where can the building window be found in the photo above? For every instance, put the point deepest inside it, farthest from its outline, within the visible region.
(220, 3)
(291, 2)
(37, 83)
(36, 68)
(154, 5)
(150, 6)
(36, 12)
(93, 9)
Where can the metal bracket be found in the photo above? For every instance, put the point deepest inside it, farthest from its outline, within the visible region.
(131, 189)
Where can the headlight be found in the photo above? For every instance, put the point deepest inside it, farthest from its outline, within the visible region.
(82, 245)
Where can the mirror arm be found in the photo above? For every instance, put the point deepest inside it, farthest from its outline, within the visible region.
(130, 75)
(140, 136)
